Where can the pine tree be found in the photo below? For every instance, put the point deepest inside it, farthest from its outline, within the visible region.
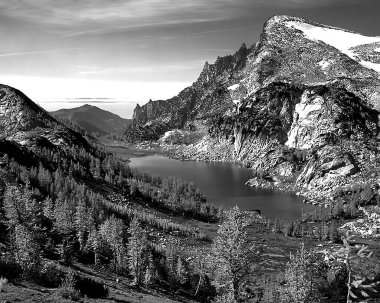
(93, 243)
(232, 254)
(13, 210)
(137, 245)
(149, 271)
(112, 231)
(48, 208)
(81, 217)
(27, 252)
(64, 214)
(180, 272)
(298, 286)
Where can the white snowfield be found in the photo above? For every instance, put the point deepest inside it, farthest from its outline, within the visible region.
(233, 87)
(340, 39)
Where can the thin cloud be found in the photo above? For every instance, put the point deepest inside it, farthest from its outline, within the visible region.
(96, 16)
(189, 65)
(72, 17)
(39, 52)
(89, 101)
(313, 3)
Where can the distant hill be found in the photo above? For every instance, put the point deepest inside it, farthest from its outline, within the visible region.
(93, 119)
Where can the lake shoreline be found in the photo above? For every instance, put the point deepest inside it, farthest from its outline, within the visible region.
(223, 184)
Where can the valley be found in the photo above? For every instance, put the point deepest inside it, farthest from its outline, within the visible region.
(224, 185)
(96, 208)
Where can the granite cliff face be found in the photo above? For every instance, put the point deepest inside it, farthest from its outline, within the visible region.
(195, 104)
(301, 107)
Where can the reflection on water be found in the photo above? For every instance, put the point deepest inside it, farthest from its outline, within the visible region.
(223, 184)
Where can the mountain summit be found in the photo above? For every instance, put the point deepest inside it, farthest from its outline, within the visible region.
(93, 119)
(303, 89)
(290, 50)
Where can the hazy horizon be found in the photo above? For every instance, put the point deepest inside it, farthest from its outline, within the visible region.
(133, 51)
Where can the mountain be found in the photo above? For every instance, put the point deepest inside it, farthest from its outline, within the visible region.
(24, 122)
(64, 198)
(301, 107)
(94, 120)
(78, 222)
(207, 96)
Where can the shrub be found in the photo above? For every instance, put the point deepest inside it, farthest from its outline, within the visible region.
(67, 289)
(50, 275)
(91, 288)
(10, 269)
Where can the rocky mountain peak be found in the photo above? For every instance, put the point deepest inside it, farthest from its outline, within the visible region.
(297, 50)
(24, 122)
(358, 47)
(292, 51)
(19, 113)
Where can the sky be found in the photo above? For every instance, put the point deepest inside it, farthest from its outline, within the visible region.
(130, 51)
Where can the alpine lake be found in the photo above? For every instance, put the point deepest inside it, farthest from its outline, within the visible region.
(224, 184)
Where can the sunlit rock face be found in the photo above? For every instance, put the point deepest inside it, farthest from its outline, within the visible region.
(290, 50)
(330, 111)
(304, 95)
(216, 90)
(24, 122)
(19, 113)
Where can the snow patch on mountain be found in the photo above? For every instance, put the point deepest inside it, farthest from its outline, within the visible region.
(233, 87)
(339, 39)
(342, 40)
(371, 65)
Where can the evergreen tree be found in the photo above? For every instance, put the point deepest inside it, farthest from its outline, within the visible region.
(233, 256)
(93, 243)
(48, 208)
(180, 271)
(64, 214)
(137, 246)
(27, 252)
(298, 286)
(112, 231)
(81, 222)
(14, 206)
(149, 271)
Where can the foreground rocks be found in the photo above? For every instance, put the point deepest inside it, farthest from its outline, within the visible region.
(366, 227)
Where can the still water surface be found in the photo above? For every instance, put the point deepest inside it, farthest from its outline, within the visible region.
(223, 184)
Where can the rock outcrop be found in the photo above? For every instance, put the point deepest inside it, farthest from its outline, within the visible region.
(193, 106)
(301, 107)
(24, 122)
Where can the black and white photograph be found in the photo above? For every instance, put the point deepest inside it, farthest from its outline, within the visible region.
(173, 151)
